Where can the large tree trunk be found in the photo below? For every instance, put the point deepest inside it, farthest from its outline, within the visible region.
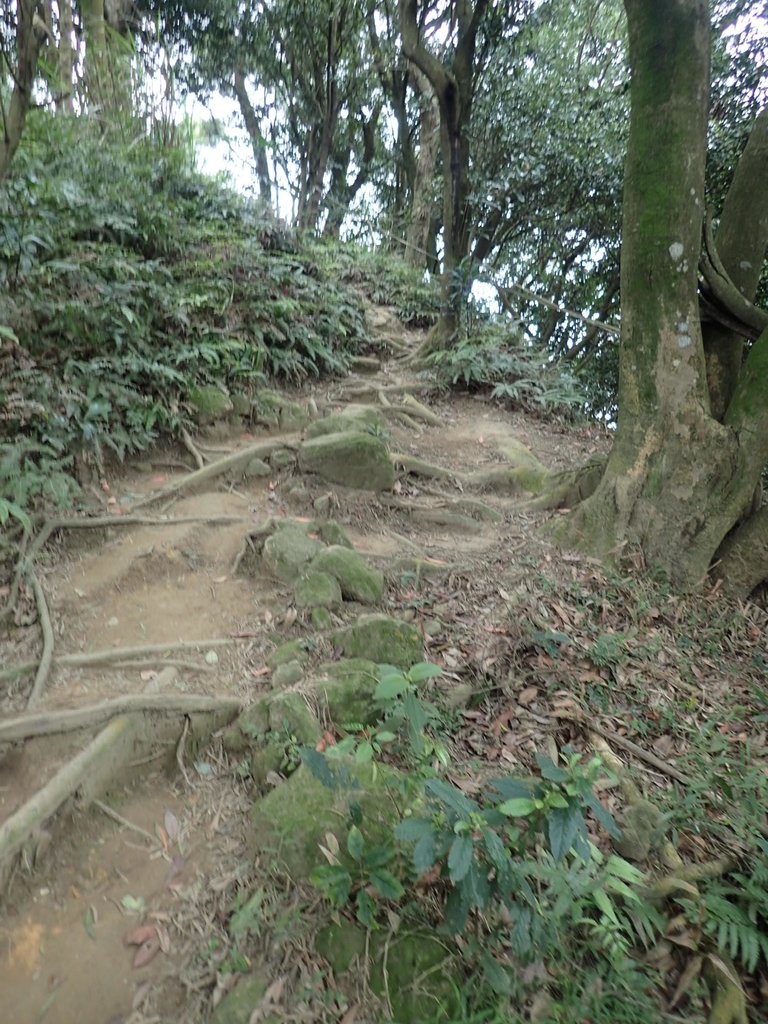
(741, 242)
(258, 142)
(422, 203)
(30, 36)
(677, 480)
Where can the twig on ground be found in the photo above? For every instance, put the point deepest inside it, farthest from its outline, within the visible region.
(110, 813)
(180, 751)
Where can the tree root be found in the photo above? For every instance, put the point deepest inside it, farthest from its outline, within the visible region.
(192, 448)
(419, 467)
(236, 462)
(571, 487)
(428, 514)
(46, 660)
(743, 557)
(365, 364)
(728, 1003)
(51, 723)
(114, 654)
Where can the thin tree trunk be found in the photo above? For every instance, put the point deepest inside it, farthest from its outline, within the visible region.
(66, 58)
(30, 36)
(258, 143)
(422, 203)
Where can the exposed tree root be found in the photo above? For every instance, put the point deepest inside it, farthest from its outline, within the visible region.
(234, 463)
(508, 479)
(420, 467)
(570, 487)
(50, 723)
(365, 364)
(192, 448)
(46, 660)
(743, 557)
(114, 654)
(427, 514)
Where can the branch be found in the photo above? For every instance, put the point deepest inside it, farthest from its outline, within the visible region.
(417, 52)
(720, 288)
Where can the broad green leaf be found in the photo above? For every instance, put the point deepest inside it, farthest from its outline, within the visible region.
(518, 807)
(364, 752)
(391, 687)
(412, 829)
(425, 670)
(460, 857)
(385, 883)
(562, 827)
(355, 843)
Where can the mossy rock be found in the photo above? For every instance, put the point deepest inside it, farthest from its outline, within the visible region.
(294, 818)
(274, 409)
(252, 725)
(238, 1005)
(420, 980)
(283, 458)
(417, 974)
(329, 532)
(209, 403)
(287, 675)
(266, 759)
(291, 650)
(353, 459)
(317, 590)
(382, 639)
(290, 715)
(357, 417)
(348, 689)
(321, 619)
(357, 580)
(241, 404)
(288, 551)
(256, 468)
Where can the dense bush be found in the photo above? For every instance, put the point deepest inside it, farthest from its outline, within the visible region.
(128, 280)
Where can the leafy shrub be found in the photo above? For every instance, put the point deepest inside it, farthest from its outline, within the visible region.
(127, 281)
(493, 357)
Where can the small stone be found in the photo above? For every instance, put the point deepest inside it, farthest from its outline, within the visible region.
(211, 658)
(288, 550)
(292, 650)
(257, 468)
(282, 459)
(383, 640)
(290, 715)
(352, 459)
(357, 580)
(321, 618)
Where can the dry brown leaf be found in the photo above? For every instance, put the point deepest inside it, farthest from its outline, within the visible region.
(528, 695)
(139, 935)
(722, 968)
(686, 979)
(147, 951)
(350, 1016)
(171, 823)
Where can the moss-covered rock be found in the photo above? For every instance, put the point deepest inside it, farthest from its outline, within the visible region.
(275, 410)
(288, 674)
(354, 417)
(251, 726)
(283, 458)
(288, 550)
(241, 404)
(238, 1005)
(266, 759)
(357, 580)
(317, 590)
(329, 532)
(292, 650)
(293, 819)
(413, 971)
(347, 689)
(382, 639)
(321, 619)
(209, 403)
(290, 715)
(352, 459)
(256, 468)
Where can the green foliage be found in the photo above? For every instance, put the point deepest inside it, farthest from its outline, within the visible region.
(516, 372)
(386, 280)
(129, 280)
(516, 858)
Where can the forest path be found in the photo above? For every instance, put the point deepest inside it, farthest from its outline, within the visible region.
(85, 882)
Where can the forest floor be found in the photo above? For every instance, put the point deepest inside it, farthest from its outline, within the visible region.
(541, 637)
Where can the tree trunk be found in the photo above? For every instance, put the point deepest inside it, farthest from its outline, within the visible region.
(454, 89)
(422, 202)
(66, 58)
(258, 143)
(741, 243)
(677, 480)
(30, 36)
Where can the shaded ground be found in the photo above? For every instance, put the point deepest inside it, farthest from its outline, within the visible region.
(491, 620)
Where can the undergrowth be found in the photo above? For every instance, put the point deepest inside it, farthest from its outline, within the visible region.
(128, 280)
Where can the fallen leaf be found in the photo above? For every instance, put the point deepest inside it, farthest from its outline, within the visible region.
(259, 673)
(171, 823)
(147, 951)
(528, 695)
(686, 979)
(139, 935)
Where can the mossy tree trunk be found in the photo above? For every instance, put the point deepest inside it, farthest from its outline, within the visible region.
(31, 33)
(258, 142)
(678, 479)
(422, 203)
(453, 86)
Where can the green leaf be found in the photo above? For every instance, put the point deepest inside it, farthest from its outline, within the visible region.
(410, 830)
(562, 826)
(497, 976)
(604, 903)
(364, 752)
(386, 884)
(424, 853)
(518, 807)
(386, 737)
(451, 797)
(423, 671)
(355, 843)
(391, 687)
(366, 909)
(334, 881)
(549, 770)
(460, 858)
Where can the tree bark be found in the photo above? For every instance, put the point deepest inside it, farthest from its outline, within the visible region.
(677, 480)
(741, 243)
(422, 202)
(66, 58)
(454, 90)
(258, 143)
(30, 36)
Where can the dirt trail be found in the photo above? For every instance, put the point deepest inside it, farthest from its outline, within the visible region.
(62, 951)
